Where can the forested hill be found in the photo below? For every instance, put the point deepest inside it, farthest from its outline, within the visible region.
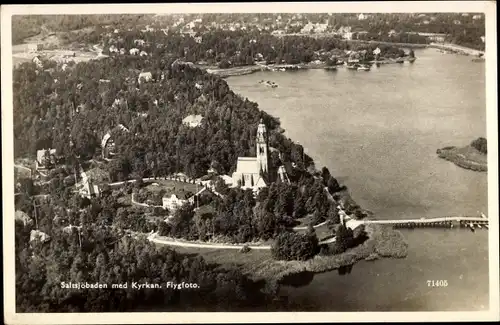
(80, 104)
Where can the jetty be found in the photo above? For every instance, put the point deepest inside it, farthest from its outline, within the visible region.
(443, 222)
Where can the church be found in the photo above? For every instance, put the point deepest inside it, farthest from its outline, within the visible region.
(250, 171)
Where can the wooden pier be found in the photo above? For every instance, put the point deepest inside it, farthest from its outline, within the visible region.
(442, 222)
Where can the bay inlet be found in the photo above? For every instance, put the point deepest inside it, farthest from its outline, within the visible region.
(378, 132)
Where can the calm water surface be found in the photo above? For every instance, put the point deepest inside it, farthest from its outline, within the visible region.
(378, 132)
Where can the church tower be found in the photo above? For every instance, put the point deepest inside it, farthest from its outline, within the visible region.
(262, 148)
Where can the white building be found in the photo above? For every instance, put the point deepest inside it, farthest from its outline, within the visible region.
(362, 17)
(37, 235)
(250, 170)
(192, 120)
(134, 51)
(146, 76)
(175, 200)
(476, 17)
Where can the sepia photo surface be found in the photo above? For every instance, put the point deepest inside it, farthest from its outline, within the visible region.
(217, 162)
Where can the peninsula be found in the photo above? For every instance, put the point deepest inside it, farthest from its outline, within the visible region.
(472, 156)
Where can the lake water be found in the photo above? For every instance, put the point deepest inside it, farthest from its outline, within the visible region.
(377, 131)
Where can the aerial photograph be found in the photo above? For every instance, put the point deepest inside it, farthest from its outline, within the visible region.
(250, 162)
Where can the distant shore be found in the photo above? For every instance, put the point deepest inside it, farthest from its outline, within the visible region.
(249, 69)
(466, 157)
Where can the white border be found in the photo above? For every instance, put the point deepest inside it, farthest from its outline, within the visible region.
(489, 8)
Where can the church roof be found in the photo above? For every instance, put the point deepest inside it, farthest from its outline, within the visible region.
(247, 165)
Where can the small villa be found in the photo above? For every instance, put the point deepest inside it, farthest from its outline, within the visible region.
(192, 120)
(146, 76)
(176, 198)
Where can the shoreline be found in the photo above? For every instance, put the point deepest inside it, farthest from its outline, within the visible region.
(249, 69)
(382, 242)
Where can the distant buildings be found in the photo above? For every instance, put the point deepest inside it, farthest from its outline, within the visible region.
(476, 17)
(134, 51)
(250, 170)
(362, 17)
(435, 37)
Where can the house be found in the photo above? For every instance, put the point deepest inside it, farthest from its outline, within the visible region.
(146, 76)
(86, 188)
(45, 158)
(107, 143)
(134, 51)
(192, 120)
(250, 171)
(37, 235)
(198, 39)
(362, 17)
(143, 53)
(113, 49)
(476, 17)
(139, 42)
(175, 199)
(457, 22)
(122, 51)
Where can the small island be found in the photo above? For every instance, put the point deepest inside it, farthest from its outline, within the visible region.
(473, 156)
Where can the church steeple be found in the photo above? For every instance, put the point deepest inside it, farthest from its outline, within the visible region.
(262, 147)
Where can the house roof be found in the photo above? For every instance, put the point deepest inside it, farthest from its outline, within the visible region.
(40, 154)
(179, 193)
(247, 165)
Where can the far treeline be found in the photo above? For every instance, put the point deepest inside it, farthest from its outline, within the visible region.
(462, 29)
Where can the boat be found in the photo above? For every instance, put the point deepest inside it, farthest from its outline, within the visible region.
(412, 59)
(352, 66)
(282, 69)
(364, 68)
(479, 226)
(400, 60)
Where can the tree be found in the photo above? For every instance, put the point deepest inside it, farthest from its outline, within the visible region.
(344, 238)
(293, 246)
